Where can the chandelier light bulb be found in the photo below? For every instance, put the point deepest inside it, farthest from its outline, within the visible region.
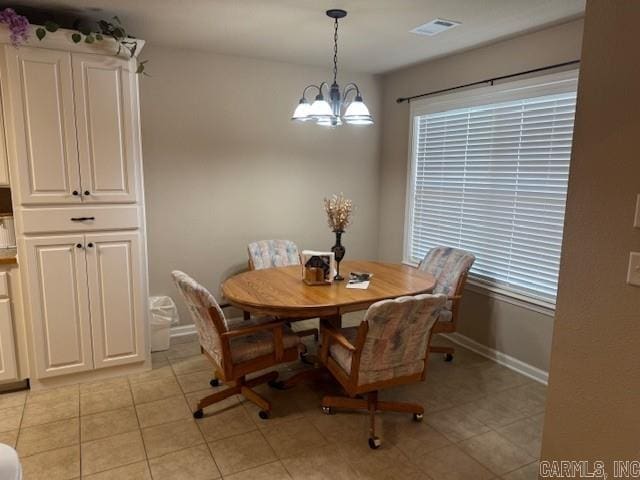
(357, 113)
(301, 113)
(320, 109)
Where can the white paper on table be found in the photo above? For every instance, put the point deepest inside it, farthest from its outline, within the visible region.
(359, 285)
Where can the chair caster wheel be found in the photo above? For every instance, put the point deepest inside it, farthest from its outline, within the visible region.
(277, 384)
(448, 357)
(374, 443)
(198, 414)
(264, 415)
(417, 417)
(327, 410)
(214, 382)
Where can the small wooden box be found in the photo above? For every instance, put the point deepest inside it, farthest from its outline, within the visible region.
(318, 268)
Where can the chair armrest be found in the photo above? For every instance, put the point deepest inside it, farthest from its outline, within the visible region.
(339, 338)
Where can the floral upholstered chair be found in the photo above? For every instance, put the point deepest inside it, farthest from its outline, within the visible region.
(450, 267)
(235, 347)
(276, 253)
(389, 348)
(272, 253)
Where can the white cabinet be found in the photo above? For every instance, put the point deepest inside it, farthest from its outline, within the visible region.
(40, 92)
(4, 165)
(85, 301)
(74, 118)
(58, 304)
(8, 366)
(105, 113)
(72, 126)
(117, 312)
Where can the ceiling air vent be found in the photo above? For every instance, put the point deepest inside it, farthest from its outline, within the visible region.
(435, 27)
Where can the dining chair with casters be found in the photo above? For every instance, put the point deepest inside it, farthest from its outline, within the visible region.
(273, 254)
(450, 267)
(235, 347)
(388, 348)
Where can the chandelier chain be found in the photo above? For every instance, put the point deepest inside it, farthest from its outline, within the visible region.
(335, 51)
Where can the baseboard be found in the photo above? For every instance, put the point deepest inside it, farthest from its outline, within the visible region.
(502, 358)
(182, 330)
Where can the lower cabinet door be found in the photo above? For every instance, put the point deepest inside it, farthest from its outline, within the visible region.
(116, 296)
(8, 370)
(58, 304)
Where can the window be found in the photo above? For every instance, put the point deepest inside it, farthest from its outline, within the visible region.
(489, 173)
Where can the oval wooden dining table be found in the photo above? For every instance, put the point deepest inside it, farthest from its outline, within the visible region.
(280, 292)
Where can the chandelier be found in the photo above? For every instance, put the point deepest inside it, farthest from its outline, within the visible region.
(328, 113)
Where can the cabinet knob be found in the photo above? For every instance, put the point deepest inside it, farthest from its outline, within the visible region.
(90, 245)
(79, 245)
(87, 192)
(75, 193)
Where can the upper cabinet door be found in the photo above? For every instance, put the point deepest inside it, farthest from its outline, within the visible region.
(58, 304)
(4, 164)
(116, 296)
(107, 139)
(40, 94)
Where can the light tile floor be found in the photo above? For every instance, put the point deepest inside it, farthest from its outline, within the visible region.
(483, 422)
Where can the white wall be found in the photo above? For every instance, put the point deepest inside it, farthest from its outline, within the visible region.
(594, 383)
(224, 165)
(508, 328)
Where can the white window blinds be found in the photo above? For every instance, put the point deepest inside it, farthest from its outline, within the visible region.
(492, 179)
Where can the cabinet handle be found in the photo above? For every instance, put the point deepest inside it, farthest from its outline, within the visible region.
(87, 192)
(75, 193)
(82, 219)
(90, 245)
(79, 245)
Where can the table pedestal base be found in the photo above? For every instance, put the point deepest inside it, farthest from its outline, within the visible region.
(292, 381)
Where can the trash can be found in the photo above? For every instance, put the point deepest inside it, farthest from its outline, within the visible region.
(164, 313)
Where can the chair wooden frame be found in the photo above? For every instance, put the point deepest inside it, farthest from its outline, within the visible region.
(450, 326)
(355, 392)
(234, 374)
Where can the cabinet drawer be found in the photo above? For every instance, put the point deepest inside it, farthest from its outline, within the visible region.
(84, 219)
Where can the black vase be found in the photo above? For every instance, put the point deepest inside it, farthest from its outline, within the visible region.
(339, 251)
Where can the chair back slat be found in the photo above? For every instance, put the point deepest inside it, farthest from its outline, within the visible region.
(202, 305)
(447, 265)
(273, 253)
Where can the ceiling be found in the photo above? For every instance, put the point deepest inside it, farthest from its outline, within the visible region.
(374, 37)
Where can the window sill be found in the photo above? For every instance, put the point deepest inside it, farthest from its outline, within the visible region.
(507, 296)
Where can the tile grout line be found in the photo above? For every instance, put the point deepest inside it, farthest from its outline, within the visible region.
(24, 407)
(184, 396)
(523, 466)
(487, 466)
(144, 446)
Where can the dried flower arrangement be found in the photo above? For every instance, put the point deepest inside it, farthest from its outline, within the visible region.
(339, 210)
